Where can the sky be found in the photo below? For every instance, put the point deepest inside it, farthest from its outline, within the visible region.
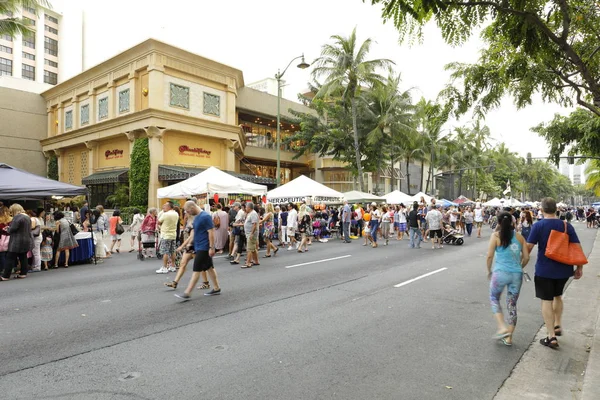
(261, 36)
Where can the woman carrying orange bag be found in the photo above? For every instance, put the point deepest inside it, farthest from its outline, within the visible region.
(551, 276)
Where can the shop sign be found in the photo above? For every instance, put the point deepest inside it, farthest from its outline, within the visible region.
(113, 154)
(194, 152)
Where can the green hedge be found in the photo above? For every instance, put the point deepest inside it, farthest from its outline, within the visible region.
(139, 172)
(127, 213)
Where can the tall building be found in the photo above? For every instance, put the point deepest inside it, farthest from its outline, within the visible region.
(29, 65)
(576, 173)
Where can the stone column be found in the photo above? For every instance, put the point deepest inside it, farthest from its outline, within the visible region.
(112, 93)
(155, 145)
(156, 87)
(230, 160)
(59, 161)
(133, 90)
(92, 156)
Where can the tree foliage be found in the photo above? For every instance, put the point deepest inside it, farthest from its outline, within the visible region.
(53, 167)
(535, 46)
(346, 71)
(12, 25)
(139, 172)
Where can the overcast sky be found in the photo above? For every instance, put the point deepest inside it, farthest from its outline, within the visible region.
(260, 36)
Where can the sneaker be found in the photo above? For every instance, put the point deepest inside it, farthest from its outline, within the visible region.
(290, 248)
(182, 296)
(171, 269)
(162, 270)
(212, 292)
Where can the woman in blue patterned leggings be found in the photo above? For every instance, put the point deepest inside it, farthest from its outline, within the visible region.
(508, 250)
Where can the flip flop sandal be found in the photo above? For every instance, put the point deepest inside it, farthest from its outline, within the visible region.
(558, 330)
(500, 336)
(549, 342)
(234, 262)
(246, 266)
(205, 285)
(171, 284)
(505, 342)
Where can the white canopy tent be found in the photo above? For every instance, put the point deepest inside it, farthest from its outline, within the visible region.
(495, 202)
(512, 203)
(561, 204)
(354, 196)
(303, 188)
(417, 197)
(397, 197)
(211, 181)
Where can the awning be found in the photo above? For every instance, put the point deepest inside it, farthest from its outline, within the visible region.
(179, 173)
(111, 176)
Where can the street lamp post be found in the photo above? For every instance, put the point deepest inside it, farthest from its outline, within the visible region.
(303, 65)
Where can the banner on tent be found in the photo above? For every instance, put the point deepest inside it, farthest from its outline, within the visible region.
(309, 199)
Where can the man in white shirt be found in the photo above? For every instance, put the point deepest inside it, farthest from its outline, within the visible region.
(434, 222)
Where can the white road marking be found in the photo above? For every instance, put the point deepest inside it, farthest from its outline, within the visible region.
(319, 261)
(420, 277)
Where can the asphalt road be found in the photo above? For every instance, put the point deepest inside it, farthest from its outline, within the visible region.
(296, 327)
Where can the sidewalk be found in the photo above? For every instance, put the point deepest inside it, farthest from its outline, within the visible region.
(573, 371)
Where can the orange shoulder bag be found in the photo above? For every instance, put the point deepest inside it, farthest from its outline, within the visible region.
(560, 249)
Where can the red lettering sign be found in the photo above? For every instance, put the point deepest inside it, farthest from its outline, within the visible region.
(112, 154)
(196, 151)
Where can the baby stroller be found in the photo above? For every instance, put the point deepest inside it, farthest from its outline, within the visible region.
(147, 241)
(452, 236)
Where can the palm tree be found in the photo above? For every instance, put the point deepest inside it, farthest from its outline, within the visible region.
(592, 172)
(345, 67)
(12, 26)
(391, 112)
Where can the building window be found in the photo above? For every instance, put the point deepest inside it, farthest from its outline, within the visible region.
(103, 108)
(51, 19)
(29, 21)
(5, 49)
(68, 119)
(6, 37)
(30, 9)
(50, 63)
(28, 56)
(212, 104)
(124, 101)
(85, 114)
(50, 46)
(28, 72)
(29, 41)
(5, 67)
(180, 96)
(50, 77)
(51, 29)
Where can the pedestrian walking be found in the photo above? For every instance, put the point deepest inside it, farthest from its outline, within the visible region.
(204, 248)
(221, 222)
(551, 276)
(114, 222)
(434, 223)
(134, 227)
(374, 223)
(19, 244)
(414, 223)
(526, 224)
(387, 217)
(304, 223)
(292, 225)
(506, 258)
(346, 220)
(238, 231)
(469, 219)
(269, 229)
(251, 230)
(168, 222)
(478, 218)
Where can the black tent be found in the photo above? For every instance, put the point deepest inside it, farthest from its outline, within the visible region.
(19, 184)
